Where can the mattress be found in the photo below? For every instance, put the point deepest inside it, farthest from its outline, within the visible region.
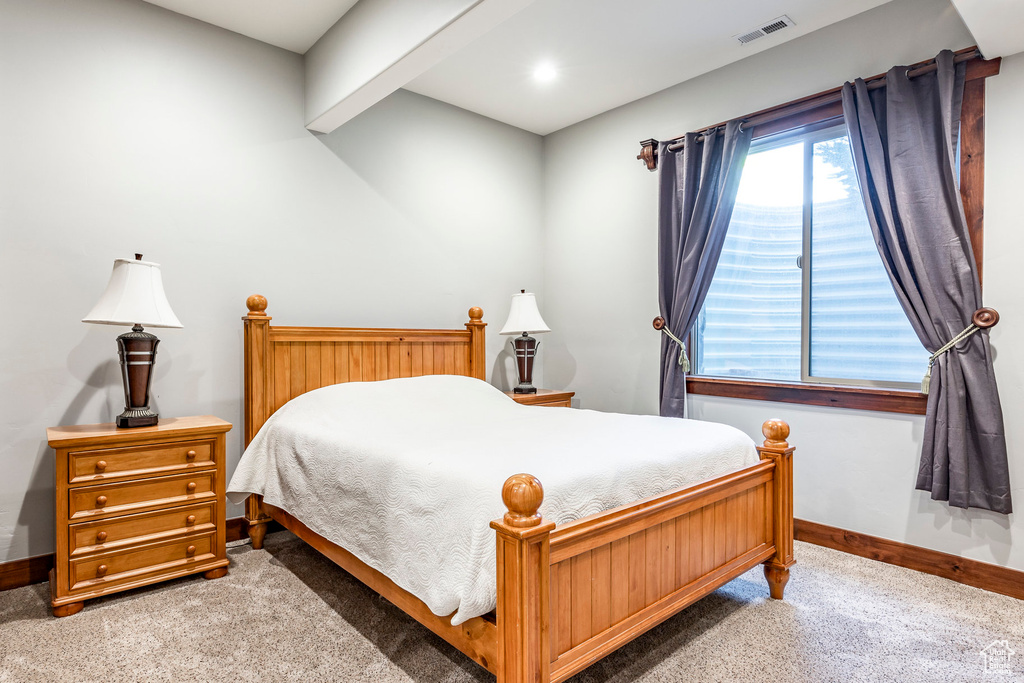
(406, 474)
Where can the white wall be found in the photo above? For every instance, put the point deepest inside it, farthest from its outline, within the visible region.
(855, 470)
(126, 128)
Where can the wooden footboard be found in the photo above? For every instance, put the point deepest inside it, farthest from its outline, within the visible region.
(571, 594)
(567, 595)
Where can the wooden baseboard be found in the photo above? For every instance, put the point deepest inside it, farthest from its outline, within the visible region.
(25, 572)
(990, 577)
(237, 529)
(30, 570)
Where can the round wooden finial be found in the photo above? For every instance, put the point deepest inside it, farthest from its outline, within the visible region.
(522, 495)
(659, 323)
(257, 304)
(775, 432)
(476, 313)
(985, 317)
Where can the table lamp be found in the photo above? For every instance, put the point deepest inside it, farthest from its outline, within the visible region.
(135, 296)
(524, 318)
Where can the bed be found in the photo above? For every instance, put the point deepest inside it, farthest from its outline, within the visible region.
(566, 594)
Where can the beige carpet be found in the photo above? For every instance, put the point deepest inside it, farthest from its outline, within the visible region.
(287, 614)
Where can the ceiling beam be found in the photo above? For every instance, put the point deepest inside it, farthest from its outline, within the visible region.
(377, 47)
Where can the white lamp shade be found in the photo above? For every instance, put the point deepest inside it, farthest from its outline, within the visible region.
(523, 316)
(135, 294)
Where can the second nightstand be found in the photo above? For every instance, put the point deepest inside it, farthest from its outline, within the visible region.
(544, 397)
(136, 506)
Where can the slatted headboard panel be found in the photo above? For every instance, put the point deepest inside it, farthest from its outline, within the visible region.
(284, 362)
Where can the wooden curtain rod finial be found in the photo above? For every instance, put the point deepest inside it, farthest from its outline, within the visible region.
(649, 153)
(775, 433)
(476, 314)
(658, 323)
(985, 318)
(257, 304)
(522, 495)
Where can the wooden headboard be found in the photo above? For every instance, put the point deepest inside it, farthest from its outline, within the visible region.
(283, 362)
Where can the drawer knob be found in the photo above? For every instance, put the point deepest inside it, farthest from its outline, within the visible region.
(190, 520)
(101, 536)
(191, 487)
(101, 570)
(101, 501)
(190, 551)
(191, 455)
(101, 465)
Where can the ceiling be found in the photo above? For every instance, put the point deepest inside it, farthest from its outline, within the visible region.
(292, 24)
(995, 24)
(608, 53)
(605, 52)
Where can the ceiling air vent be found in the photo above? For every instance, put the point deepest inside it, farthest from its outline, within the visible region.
(764, 29)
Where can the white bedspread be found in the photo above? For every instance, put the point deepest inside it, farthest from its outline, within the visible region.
(406, 474)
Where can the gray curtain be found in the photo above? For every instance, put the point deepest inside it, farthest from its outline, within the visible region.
(904, 139)
(697, 186)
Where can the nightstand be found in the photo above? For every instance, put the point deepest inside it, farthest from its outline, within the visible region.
(136, 506)
(544, 397)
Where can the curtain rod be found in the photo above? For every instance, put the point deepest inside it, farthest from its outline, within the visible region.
(649, 151)
(835, 95)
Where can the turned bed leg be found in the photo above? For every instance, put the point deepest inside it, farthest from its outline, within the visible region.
(257, 520)
(524, 643)
(778, 577)
(775, 448)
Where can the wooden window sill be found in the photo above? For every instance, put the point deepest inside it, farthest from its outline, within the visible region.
(857, 398)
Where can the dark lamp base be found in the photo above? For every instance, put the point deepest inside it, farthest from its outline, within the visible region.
(137, 351)
(525, 390)
(137, 418)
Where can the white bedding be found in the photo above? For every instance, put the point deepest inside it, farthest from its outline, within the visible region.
(406, 474)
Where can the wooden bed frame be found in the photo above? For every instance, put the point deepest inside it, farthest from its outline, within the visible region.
(568, 594)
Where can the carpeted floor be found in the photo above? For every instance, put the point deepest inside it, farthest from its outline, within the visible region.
(288, 614)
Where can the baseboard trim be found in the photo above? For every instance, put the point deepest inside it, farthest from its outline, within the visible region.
(30, 570)
(990, 577)
(25, 572)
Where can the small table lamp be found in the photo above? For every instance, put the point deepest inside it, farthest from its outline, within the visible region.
(523, 317)
(135, 296)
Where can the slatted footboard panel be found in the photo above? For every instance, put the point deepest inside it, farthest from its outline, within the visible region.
(616, 574)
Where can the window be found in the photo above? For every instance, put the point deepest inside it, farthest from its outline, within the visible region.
(800, 293)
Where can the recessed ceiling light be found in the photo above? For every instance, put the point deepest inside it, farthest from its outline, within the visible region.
(545, 72)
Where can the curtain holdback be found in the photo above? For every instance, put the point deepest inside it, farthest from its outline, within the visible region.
(684, 361)
(982, 319)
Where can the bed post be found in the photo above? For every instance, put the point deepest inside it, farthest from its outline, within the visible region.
(477, 346)
(524, 612)
(258, 376)
(775, 448)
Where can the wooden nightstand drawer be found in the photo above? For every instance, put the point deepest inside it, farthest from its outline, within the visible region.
(111, 568)
(93, 502)
(121, 463)
(119, 532)
(136, 505)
